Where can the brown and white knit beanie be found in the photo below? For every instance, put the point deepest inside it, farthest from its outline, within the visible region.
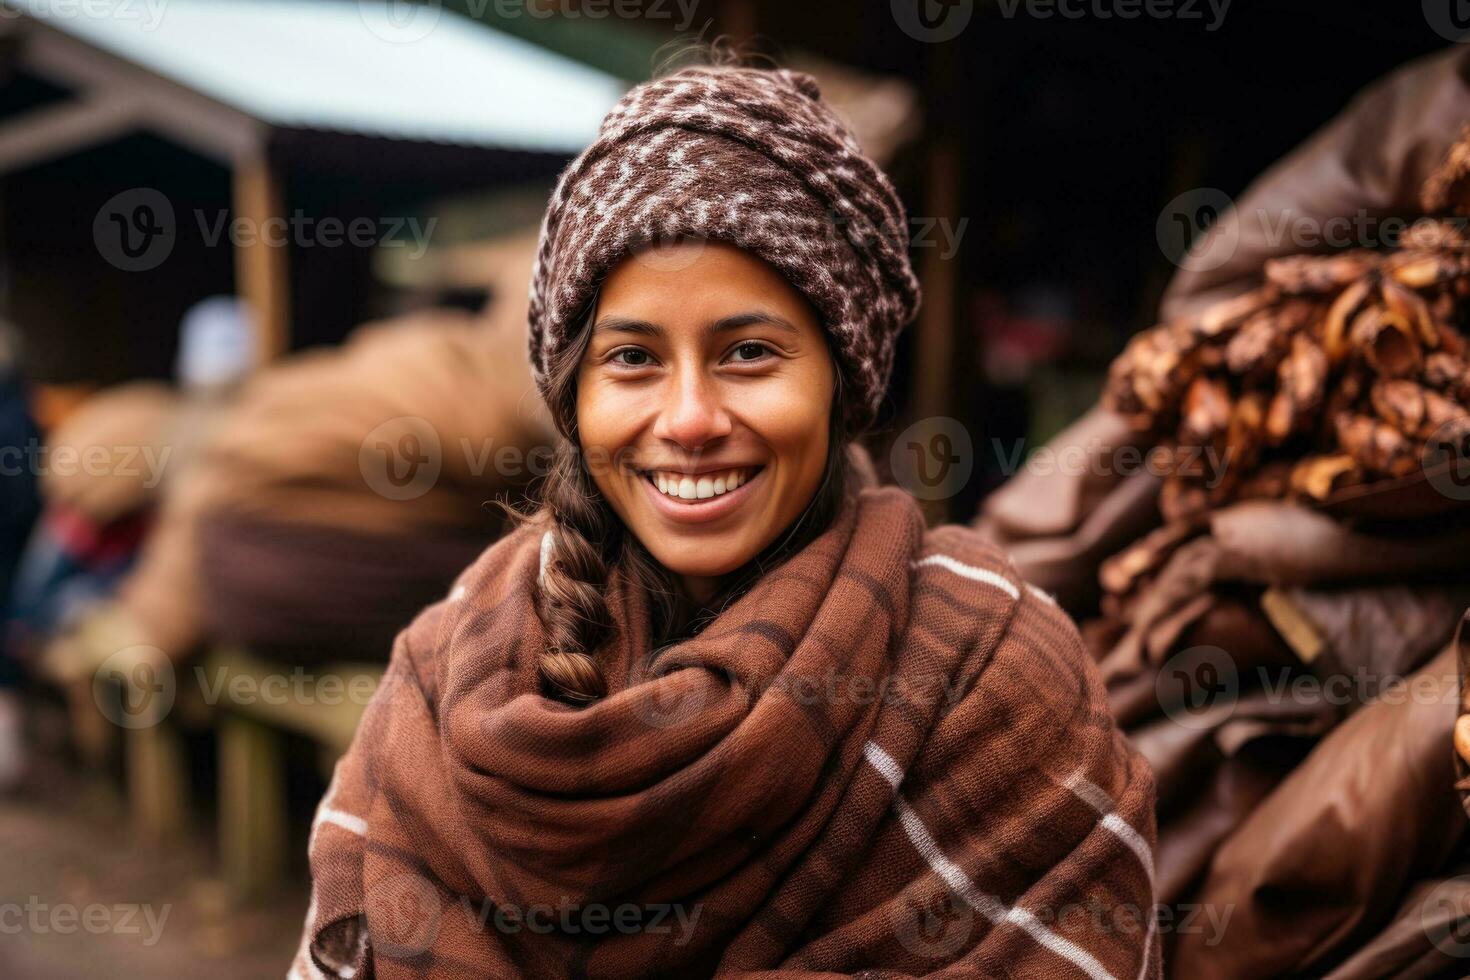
(750, 157)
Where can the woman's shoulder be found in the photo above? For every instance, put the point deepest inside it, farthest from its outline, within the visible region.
(1014, 619)
(507, 564)
(965, 552)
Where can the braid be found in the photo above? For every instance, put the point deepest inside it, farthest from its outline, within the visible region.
(571, 602)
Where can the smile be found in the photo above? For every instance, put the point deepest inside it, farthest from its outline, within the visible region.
(701, 486)
(697, 497)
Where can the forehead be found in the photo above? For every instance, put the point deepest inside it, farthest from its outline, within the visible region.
(698, 281)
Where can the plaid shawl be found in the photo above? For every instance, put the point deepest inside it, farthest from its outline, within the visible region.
(890, 756)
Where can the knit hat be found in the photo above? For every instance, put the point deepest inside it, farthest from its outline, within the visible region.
(750, 157)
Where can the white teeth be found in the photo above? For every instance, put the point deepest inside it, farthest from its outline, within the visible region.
(699, 488)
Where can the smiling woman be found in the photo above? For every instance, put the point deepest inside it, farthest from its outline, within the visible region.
(718, 670)
(709, 378)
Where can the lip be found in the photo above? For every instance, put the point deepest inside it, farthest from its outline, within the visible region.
(700, 511)
(699, 470)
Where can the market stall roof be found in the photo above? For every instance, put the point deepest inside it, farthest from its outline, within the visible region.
(220, 73)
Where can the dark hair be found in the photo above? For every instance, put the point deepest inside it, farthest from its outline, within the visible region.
(590, 541)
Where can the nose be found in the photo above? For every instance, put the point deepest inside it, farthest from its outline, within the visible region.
(693, 413)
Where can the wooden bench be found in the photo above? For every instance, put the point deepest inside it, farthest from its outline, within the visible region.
(259, 703)
(119, 691)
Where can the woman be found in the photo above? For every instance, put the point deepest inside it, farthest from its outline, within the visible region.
(719, 707)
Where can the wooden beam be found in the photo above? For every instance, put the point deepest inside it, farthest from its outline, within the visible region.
(934, 341)
(193, 120)
(54, 131)
(262, 261)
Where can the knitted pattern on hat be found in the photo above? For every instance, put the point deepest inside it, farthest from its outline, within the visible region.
(750, 157)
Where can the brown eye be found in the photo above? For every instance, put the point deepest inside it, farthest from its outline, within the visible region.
(631, 357)
(749, 351)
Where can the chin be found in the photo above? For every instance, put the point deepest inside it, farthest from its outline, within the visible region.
(700, 559)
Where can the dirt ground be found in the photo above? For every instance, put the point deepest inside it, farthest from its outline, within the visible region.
(79, 899)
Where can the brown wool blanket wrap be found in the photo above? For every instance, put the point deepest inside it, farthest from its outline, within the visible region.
(890, 756)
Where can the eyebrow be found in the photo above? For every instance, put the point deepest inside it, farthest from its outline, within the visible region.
(623, 324)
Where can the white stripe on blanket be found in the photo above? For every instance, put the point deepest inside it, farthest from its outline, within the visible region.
(952, 875)
(971, 572)
(1094, 796)
(325, 814)
(547, 543)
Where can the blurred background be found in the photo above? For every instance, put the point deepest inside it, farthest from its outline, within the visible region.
(263, 267)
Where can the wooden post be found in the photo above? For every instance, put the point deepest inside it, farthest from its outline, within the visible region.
(737, 20)
(262, 261)
(934, 340)
(252, 806)
(158, 782)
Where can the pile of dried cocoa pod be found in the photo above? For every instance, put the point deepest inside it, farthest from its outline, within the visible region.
(1339, 370)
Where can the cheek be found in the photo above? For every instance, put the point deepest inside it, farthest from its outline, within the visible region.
(605, 425)
(794, 425)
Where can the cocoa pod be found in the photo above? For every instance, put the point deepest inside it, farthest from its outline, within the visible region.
(1449, 374)
(1447, 190)
(1150, 375)
(1340, 314)
(1120, 573)
(1420, 270)
(1206, 411)
(1245, 437)
(1318, 274)
(1219, 319)
(1263, 340)
(1375, 445)
(1420, 412)
(1301, 386)
(1436, 233)
(1405, 303)
(1388, 342)
(1318, 476)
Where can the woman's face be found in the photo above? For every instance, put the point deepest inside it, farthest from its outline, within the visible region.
(708, 384)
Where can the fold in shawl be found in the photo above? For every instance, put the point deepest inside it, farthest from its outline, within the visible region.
(890, 754)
